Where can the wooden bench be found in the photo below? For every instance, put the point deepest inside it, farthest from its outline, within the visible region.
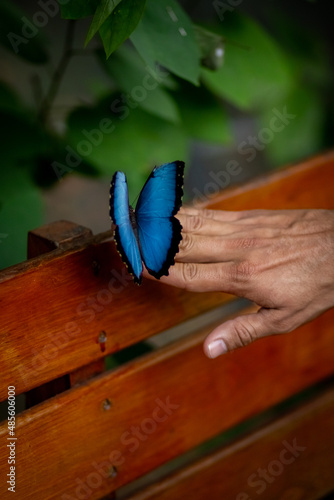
(181, 425)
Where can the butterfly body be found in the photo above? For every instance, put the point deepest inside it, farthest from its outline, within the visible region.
(150, 233)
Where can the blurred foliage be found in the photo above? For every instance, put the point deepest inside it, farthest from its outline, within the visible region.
(170, 81)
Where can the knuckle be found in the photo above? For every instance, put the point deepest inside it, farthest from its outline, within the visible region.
(207, 213)
(195, 222)
(245, 243)
(244, 333)
(243, 271)
(189, 275)
(186, 244)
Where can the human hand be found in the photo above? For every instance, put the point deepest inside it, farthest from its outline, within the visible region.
(283, 260)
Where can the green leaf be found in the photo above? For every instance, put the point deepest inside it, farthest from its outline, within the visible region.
(21, 209)
(142, 89)
(135, 142)
(77, 9)
(165, 35)
(303, 136)
(121, 23)
(103, 11)
(255, 72)
(20, 36)
(202, 115)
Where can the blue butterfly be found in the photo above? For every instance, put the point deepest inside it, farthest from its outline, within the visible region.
(149, 234)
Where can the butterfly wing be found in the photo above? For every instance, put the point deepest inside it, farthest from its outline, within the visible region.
(159, 231)
(124, 234)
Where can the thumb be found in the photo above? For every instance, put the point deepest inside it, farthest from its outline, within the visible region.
(240, 332)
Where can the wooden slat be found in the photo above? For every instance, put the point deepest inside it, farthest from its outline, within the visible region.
(61, 441)
(40, 241)
(64, 306)
(58, 234)
(291, 459)
(305, 185)
(66, 299)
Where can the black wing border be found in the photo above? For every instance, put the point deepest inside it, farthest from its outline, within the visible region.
(177, 227)
(117, 237)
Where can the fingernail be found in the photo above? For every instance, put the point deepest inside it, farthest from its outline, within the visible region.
(216, 348)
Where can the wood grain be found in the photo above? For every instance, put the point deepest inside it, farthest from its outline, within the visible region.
(64, 306)
(68, 296)
(308, 184)
(258, 465)
(157, 407)
(59, 234)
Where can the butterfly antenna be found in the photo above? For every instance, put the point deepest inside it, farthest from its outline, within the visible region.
(237, 44)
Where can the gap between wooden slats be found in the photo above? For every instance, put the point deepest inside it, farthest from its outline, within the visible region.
(64, 307)
(257, 465)
(58, 326)
(63, 440)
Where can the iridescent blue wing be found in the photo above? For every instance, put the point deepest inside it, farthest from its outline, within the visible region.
(124, 235)
(159, 232)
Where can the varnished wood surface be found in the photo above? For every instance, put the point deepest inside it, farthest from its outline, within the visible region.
(62, 440)
(53, 314)
(60, 234)
(308, 184)
(291, 459)
(54, 307)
